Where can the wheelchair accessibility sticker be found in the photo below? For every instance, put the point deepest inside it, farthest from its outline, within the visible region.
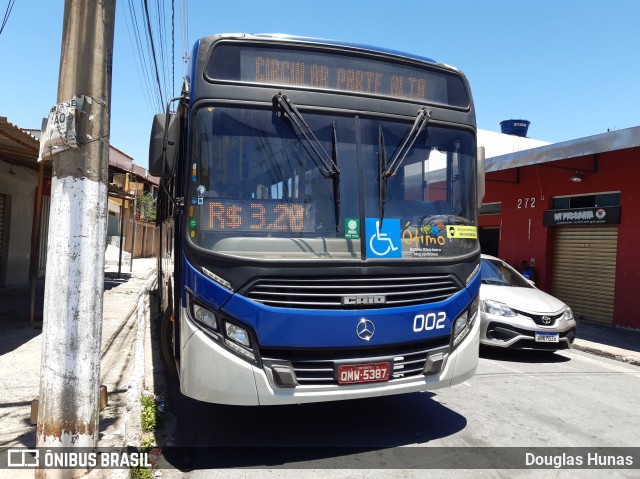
(383, 241)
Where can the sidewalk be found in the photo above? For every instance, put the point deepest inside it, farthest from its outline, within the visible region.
(125, 313)
(616, 343)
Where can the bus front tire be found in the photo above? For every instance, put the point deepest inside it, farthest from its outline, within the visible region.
(166, 345)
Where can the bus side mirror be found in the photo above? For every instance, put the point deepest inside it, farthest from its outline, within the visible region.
(481, 174)
(163, 145)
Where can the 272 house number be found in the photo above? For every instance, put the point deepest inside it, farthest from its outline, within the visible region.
(526, 202)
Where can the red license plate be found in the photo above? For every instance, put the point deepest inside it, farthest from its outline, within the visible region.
(363, 373)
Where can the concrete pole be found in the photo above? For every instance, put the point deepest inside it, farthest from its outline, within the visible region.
(70, 370)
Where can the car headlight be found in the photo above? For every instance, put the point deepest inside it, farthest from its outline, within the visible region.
(568, 314)
(496, 307)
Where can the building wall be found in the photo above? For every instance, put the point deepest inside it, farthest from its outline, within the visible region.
(145, 238)
(19, 184)
(523, 235)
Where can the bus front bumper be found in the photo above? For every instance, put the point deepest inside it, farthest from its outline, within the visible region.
(210, 373)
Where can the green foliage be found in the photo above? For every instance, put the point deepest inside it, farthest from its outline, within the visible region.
(140, 473)
(147, 443)
(149, 416)
(149, 422)
(146, 207)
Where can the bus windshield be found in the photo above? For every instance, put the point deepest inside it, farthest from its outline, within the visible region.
(258, 191)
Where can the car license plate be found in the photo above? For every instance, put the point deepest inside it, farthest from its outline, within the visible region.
(363, 373)
(547, 338)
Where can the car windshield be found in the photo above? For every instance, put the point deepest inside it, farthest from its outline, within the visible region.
(258, 190)
(499, 273)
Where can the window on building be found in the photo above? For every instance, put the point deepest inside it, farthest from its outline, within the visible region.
(586, 201)
(490, 209)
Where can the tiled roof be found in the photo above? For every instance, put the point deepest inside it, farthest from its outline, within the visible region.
(16, 142)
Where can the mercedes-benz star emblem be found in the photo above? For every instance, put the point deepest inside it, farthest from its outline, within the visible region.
(546, 320)
(365, 329)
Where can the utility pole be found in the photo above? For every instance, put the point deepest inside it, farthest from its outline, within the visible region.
(72, 330)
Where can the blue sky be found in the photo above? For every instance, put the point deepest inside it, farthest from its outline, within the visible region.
(571, 67)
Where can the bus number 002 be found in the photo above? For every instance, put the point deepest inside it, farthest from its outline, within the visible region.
(429, 322)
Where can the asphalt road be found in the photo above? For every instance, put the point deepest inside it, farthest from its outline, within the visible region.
(516, 399)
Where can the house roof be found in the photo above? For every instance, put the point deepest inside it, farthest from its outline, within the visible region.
(17, 146)
(590, 145)
(124, 163)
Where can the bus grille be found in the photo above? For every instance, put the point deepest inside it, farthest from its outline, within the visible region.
(314, 369)
(328, 292)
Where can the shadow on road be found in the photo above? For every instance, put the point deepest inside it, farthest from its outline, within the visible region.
(522, 355)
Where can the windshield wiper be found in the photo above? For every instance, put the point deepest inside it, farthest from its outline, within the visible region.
(336, 178)
(382, 180)
(420, 123)
(328, 165)
(384, 172)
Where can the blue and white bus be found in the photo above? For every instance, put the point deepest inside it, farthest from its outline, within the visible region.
(318, 217)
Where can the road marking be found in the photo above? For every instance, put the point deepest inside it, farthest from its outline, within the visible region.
(513, 370)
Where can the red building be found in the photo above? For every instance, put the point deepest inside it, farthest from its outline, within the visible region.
(572, 210)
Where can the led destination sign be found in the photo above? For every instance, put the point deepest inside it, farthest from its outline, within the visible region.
(258, 216)
(333, 71)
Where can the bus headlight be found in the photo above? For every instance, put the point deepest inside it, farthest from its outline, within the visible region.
(464, 323)
(237, 334)
(238, 340)
(204, 316)
(216, 325)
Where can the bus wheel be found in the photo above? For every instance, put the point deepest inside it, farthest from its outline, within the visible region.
(166, 339)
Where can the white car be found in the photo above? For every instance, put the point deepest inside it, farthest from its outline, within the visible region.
(516, 314)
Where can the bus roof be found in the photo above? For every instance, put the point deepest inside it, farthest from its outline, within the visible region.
(324, 41)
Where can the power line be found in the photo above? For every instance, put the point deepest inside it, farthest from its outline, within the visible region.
(150, 43)
(148, 56)
(161, 31)
(7, 13)
(147, 77)
(132, 30)
(153, 48)
(145, 58)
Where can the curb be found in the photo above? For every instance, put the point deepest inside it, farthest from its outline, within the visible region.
(133, 431)
(618, 355)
